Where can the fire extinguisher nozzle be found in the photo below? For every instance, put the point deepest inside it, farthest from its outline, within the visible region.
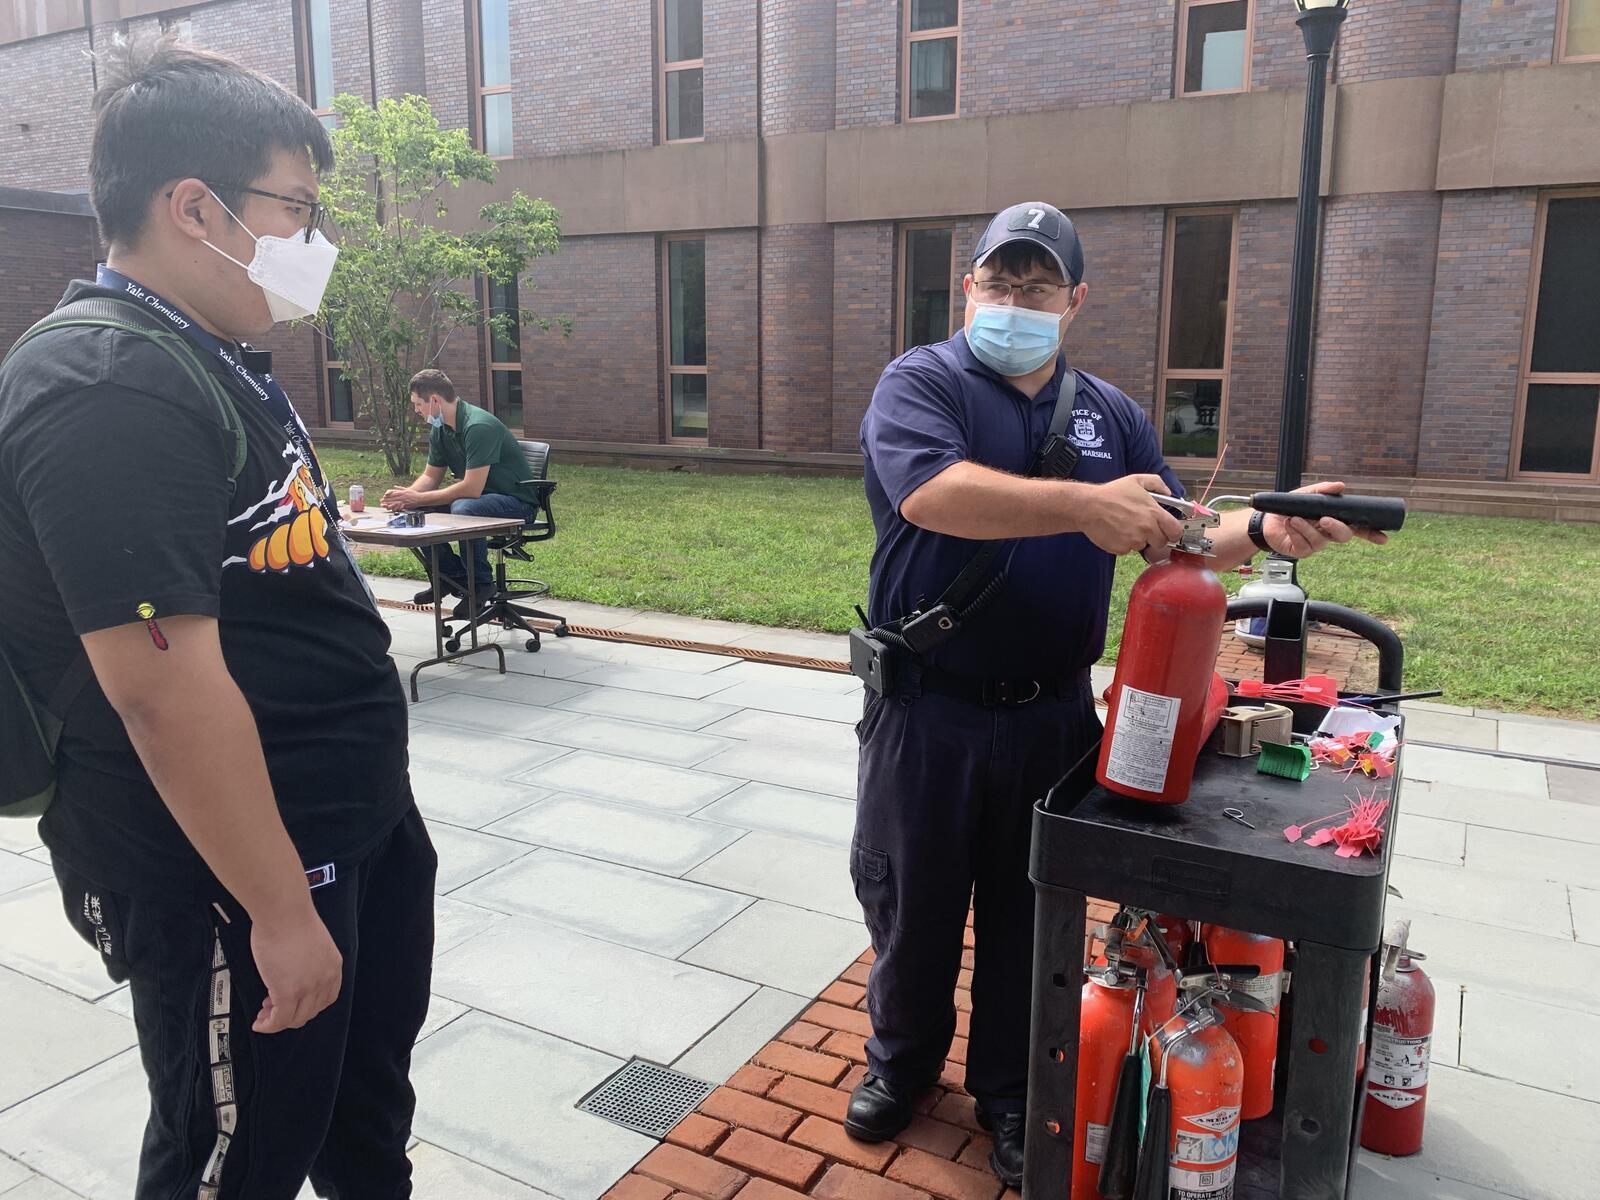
(1155, 1154)
(1121, 1160)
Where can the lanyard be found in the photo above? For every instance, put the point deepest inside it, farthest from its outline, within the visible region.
(264, 387)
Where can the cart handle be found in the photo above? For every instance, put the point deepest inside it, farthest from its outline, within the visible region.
(1391, 654)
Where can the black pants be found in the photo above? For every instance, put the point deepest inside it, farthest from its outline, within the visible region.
(943, 818)
(237, 1115)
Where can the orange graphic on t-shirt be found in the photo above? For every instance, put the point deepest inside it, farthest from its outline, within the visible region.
(298, 541)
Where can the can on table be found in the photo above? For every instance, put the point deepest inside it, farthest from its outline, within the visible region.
(358, 498)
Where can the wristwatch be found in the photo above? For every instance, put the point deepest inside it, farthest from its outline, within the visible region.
(1257, 531)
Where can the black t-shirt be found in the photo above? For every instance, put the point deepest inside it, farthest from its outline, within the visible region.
(114, 496)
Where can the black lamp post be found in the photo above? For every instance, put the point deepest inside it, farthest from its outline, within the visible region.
(1319, 22)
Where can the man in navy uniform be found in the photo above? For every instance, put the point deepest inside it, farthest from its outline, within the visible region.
(954, 755)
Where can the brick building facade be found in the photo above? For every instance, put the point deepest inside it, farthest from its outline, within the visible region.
(801, 142)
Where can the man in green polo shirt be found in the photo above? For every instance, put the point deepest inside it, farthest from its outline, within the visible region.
(489, 468)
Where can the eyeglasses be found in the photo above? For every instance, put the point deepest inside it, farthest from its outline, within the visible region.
(314, 221)
(1031, 295)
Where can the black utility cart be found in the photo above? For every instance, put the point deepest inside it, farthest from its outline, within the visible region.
(1190, 860)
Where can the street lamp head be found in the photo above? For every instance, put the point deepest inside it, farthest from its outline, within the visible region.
(1310, 5)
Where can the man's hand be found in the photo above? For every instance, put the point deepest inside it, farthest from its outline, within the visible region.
(1123, 516)
(300, 965)
(398, 499)
(1300, 538)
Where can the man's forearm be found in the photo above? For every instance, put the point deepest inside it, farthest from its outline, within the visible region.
(970, 501)
(1231, 544)
(439, 497)
(217, 789)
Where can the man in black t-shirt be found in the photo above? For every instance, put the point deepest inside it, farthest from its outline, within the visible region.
(233, 826)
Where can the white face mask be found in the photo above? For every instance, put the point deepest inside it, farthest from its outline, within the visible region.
(292, 272)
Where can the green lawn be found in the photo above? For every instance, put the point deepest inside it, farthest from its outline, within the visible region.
(1498, 613)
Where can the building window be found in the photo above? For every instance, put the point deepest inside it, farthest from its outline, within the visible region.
(1213, 46)
(682, 80)
(1578, 39)
(181, 25)
(491, 22)
(1560, 395)
(933, 51)
(685, 291)
(1193, 385)
(505, 355)
(341, 394)
(317, 27)
(927, 272)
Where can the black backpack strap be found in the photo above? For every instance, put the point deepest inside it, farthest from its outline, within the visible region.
(78, 675)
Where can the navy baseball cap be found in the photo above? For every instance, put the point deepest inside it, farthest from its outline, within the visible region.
(1042, 224)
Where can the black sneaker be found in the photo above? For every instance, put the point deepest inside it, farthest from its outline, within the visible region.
(1005, 1160)
(878, 1111)
(425, 596)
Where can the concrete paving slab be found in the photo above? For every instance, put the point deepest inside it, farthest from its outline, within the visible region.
(663, 658)
(40, 1188)
(19, 835)
(1380, 1178)
(1501, 810)
(1551, 741)
(783, 947)
(39, 855)
(805, 643)
(452, 750)
(1452, 729)
(1479, 955)
(653, 679)
(482, 714)
(36, 940)
(441, 1011)
(454, 921)
(796, 701)
(787, 766)
(1532, 905)
(833, 738)
(502, 1096)
(1432, 839)
(1510, 1037)
(633, 739)
(630, 781)
(519, 688)
(1410, 706)
(1528, 856)
(18, 872)
(1509, 1138)
(84, 1133)
(468, 802)
(47, 1036)
(437, 1172)
(770, 673)
(552, 662)
(615, 904)
(1573, 784)
(1449, 999)
(751, 1026)
(805, 874)
(12, 1172)
(671, 711)
(618, 833)
(810, 815)
(1585, 914)
(650, 623)
(620, 1001)
(464, 855)
(1483, 771)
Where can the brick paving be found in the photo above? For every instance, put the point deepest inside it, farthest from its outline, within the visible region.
(776, 1131)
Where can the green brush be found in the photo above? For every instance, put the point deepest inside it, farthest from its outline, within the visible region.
(1291, 762)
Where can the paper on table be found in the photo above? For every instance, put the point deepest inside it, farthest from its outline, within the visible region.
(1344, 720)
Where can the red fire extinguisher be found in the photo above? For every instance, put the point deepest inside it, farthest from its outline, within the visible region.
(1179, 934)
(1402, 1037)
(1256, 1030)
(1165, 698)
(1194, 1107)
(1132, 979)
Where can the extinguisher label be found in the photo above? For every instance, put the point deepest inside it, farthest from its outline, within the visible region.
(1212, 1183)
(1398, 1062)
(1393, 1097)
(1094, 1143)
(1141, 743)
(1266, 988)
(1217, 1120)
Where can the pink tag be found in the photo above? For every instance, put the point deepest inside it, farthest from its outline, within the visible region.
(1293, 833)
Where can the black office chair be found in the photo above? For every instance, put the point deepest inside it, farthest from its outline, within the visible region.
(507, 606)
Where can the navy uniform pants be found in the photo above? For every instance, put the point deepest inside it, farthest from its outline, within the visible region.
(943, 819)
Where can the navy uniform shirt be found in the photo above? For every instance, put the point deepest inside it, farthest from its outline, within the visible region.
(938, 405)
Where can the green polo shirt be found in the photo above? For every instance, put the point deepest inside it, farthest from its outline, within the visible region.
(480, 439)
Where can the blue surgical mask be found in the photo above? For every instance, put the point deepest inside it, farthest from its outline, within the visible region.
(1013, 340)
(436, 421)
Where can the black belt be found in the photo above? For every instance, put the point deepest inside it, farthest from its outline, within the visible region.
(999, 693)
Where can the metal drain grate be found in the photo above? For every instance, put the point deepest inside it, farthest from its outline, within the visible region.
(646, 1097)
